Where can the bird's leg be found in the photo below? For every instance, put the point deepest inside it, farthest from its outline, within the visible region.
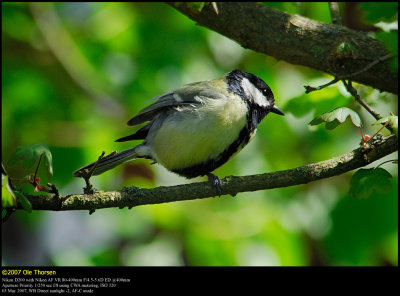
(215, 181)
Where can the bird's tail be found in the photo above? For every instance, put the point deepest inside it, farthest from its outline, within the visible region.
(108, 162)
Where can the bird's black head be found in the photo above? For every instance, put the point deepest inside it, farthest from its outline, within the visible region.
(253, 90)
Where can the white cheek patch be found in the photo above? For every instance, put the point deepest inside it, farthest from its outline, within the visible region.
(253, 93)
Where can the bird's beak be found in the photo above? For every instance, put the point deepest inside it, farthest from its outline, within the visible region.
(276, 110)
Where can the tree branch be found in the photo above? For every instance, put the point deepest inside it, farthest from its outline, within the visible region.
(349, 87)
(133, 196)
(298, 40)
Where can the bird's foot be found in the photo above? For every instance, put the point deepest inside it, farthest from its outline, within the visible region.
(216, 182)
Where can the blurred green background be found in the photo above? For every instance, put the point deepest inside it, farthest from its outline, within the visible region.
(74, 73)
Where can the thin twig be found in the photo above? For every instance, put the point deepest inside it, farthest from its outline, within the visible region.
(395, 161)
(348, 76)
(311, 89)
(87, 174)
(362, 135)
(366, 68)
(349, 87)
(95, 165)
(386, 123)
(37, 168)
(353, 92)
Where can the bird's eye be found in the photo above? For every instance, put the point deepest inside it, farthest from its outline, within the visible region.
(264, 91)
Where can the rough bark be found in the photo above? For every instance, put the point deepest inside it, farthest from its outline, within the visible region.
(133, 196)
(298, 40)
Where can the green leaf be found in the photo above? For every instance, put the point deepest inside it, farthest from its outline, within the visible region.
(390, 41)
(23, 162)
(367, 181)
(332, 124)
(336, 117)
(8, 198)
(317, 101)
(25, 203)
(379, 11)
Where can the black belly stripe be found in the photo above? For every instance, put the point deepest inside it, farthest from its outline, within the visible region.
(211, 164)
(254, 116)
(253, 119)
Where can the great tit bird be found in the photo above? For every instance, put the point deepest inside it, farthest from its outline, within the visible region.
(197, 128)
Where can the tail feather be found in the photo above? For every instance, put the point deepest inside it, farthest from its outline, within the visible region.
(108, 163)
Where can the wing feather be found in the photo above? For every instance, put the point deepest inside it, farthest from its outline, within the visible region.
(187, 95)
(140, 134)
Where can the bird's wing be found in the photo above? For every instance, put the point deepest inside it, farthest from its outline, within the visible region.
(140, 134)
(189, 94)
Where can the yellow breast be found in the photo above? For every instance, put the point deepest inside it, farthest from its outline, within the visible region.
(191, 136)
